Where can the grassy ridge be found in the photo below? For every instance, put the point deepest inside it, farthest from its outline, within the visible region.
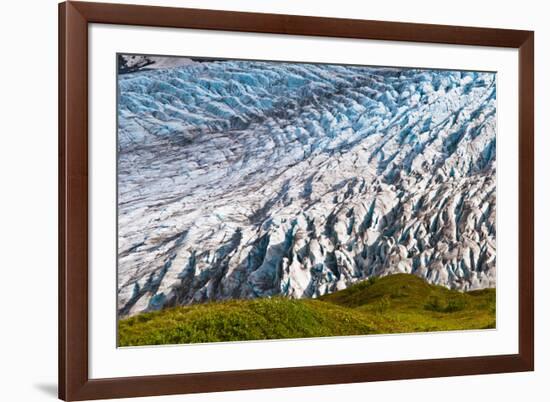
(393, 304)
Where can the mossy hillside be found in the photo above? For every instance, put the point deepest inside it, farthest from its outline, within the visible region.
(393, 304)
(407, 303)
(238, 320)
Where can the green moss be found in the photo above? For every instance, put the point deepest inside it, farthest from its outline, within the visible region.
(393, 304)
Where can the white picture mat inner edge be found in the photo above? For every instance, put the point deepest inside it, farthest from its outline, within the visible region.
(105, 360)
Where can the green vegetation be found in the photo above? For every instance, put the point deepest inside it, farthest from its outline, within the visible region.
(393, 304)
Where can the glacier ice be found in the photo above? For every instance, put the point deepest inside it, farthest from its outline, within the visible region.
(242, 179)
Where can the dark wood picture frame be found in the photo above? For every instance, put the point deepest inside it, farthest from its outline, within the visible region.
(74, 381)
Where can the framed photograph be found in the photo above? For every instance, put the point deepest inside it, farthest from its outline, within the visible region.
(259, 200)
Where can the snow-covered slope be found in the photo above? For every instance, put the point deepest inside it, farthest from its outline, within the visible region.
(244, 179)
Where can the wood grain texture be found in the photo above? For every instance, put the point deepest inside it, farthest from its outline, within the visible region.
(74, 382)
(298, 25)
(73, 201)
(526, 201)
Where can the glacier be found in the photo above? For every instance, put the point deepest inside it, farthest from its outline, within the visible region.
(244, 179)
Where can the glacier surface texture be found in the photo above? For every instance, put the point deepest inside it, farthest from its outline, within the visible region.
(243, 179)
